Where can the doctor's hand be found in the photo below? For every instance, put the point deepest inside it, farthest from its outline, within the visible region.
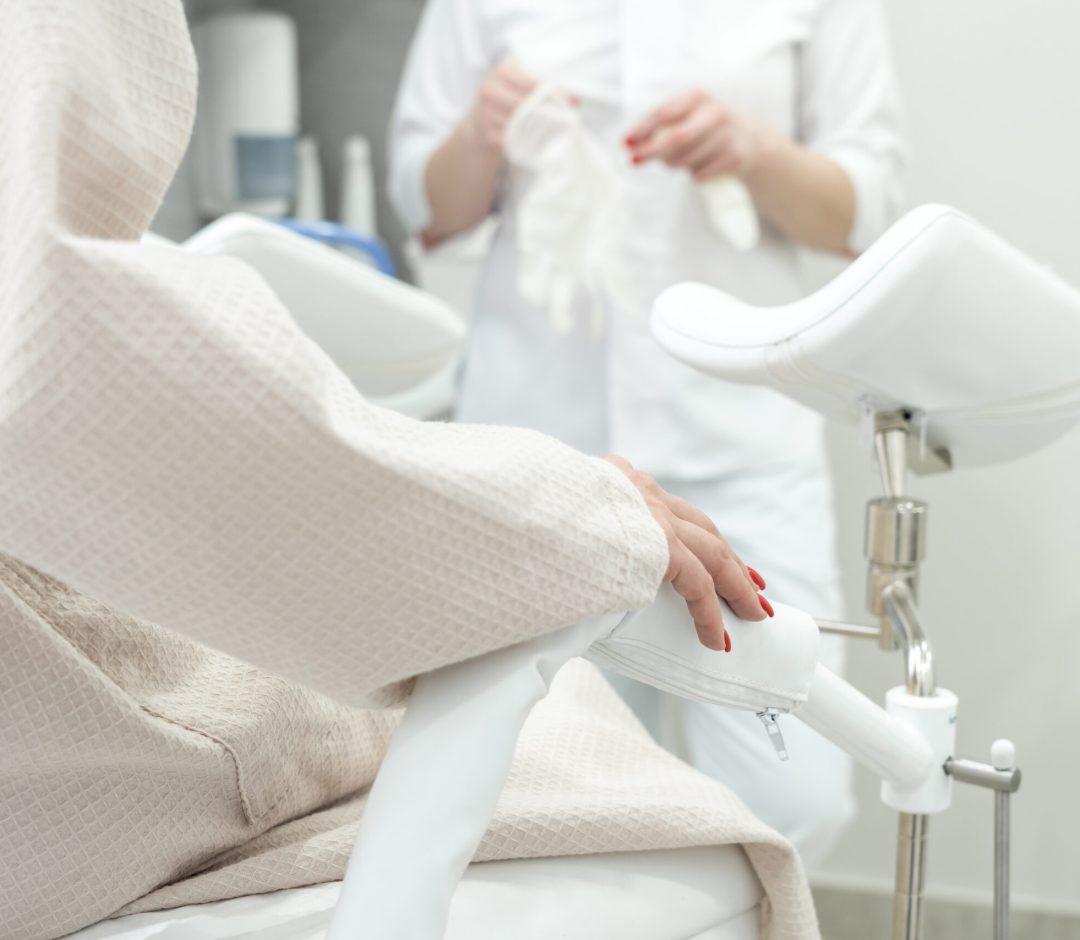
(504, 88)
(701, 566)
(695, 132)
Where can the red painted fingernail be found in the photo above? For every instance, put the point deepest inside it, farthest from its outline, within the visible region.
(766, 606)
(727, 642)
(637, 158)
(630, 141)
(756, 578)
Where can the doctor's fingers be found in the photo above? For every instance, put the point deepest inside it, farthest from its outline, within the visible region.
(729, 575)
(505, 87)
(671, 111)
(493, 119)
(500, 98)
(730, 160)
(704, 131)
(694, 584)
(513, 77)
(714, 156)
(497, 104)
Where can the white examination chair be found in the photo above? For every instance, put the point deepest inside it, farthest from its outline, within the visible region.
(940, 318)
(396, 343)
(954, 348)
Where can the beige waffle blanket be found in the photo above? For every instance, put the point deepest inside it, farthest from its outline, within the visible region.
(286, 555)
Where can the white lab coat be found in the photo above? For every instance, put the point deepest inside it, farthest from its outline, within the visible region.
(816, 70)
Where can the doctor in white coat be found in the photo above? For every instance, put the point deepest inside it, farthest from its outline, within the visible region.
(794, 97)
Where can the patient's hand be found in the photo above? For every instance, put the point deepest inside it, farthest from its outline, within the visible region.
(701, 564)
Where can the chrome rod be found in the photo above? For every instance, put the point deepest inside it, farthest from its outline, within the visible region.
(838, 628)
(890, 444)
(1003, 777)
(910, 877)
(1001, 865)
(904, 618)
(895, 544)
(1003, 758)
(983, 775)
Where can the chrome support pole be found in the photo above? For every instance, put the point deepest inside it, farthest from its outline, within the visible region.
(894, 547)
(899, 605)
(1003, 777)
(910, 877)
(1001, 866)
(895, 524)
(895, 544)
(900, 608)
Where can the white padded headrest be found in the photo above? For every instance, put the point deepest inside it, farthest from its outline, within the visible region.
(939, 317)
(385, 335)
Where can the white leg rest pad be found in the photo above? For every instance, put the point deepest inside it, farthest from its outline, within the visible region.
(436, 791)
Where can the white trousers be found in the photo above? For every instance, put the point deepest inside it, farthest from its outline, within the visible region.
(782, 524)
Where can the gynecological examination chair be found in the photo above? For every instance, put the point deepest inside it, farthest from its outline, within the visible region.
(950, 347)
(953, 349)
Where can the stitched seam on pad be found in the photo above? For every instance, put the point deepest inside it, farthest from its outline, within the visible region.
(877, 273)
(742, 681)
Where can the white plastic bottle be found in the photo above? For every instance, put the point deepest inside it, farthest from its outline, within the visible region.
(358, 186)
(244, 141)
(309, 183)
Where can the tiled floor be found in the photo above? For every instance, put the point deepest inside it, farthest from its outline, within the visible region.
(848, 915)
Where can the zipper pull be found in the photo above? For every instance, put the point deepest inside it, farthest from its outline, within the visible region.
(772, 728)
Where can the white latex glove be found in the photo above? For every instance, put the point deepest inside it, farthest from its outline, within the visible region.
(569, 217)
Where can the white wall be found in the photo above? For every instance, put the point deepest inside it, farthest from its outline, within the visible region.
(991, 89)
